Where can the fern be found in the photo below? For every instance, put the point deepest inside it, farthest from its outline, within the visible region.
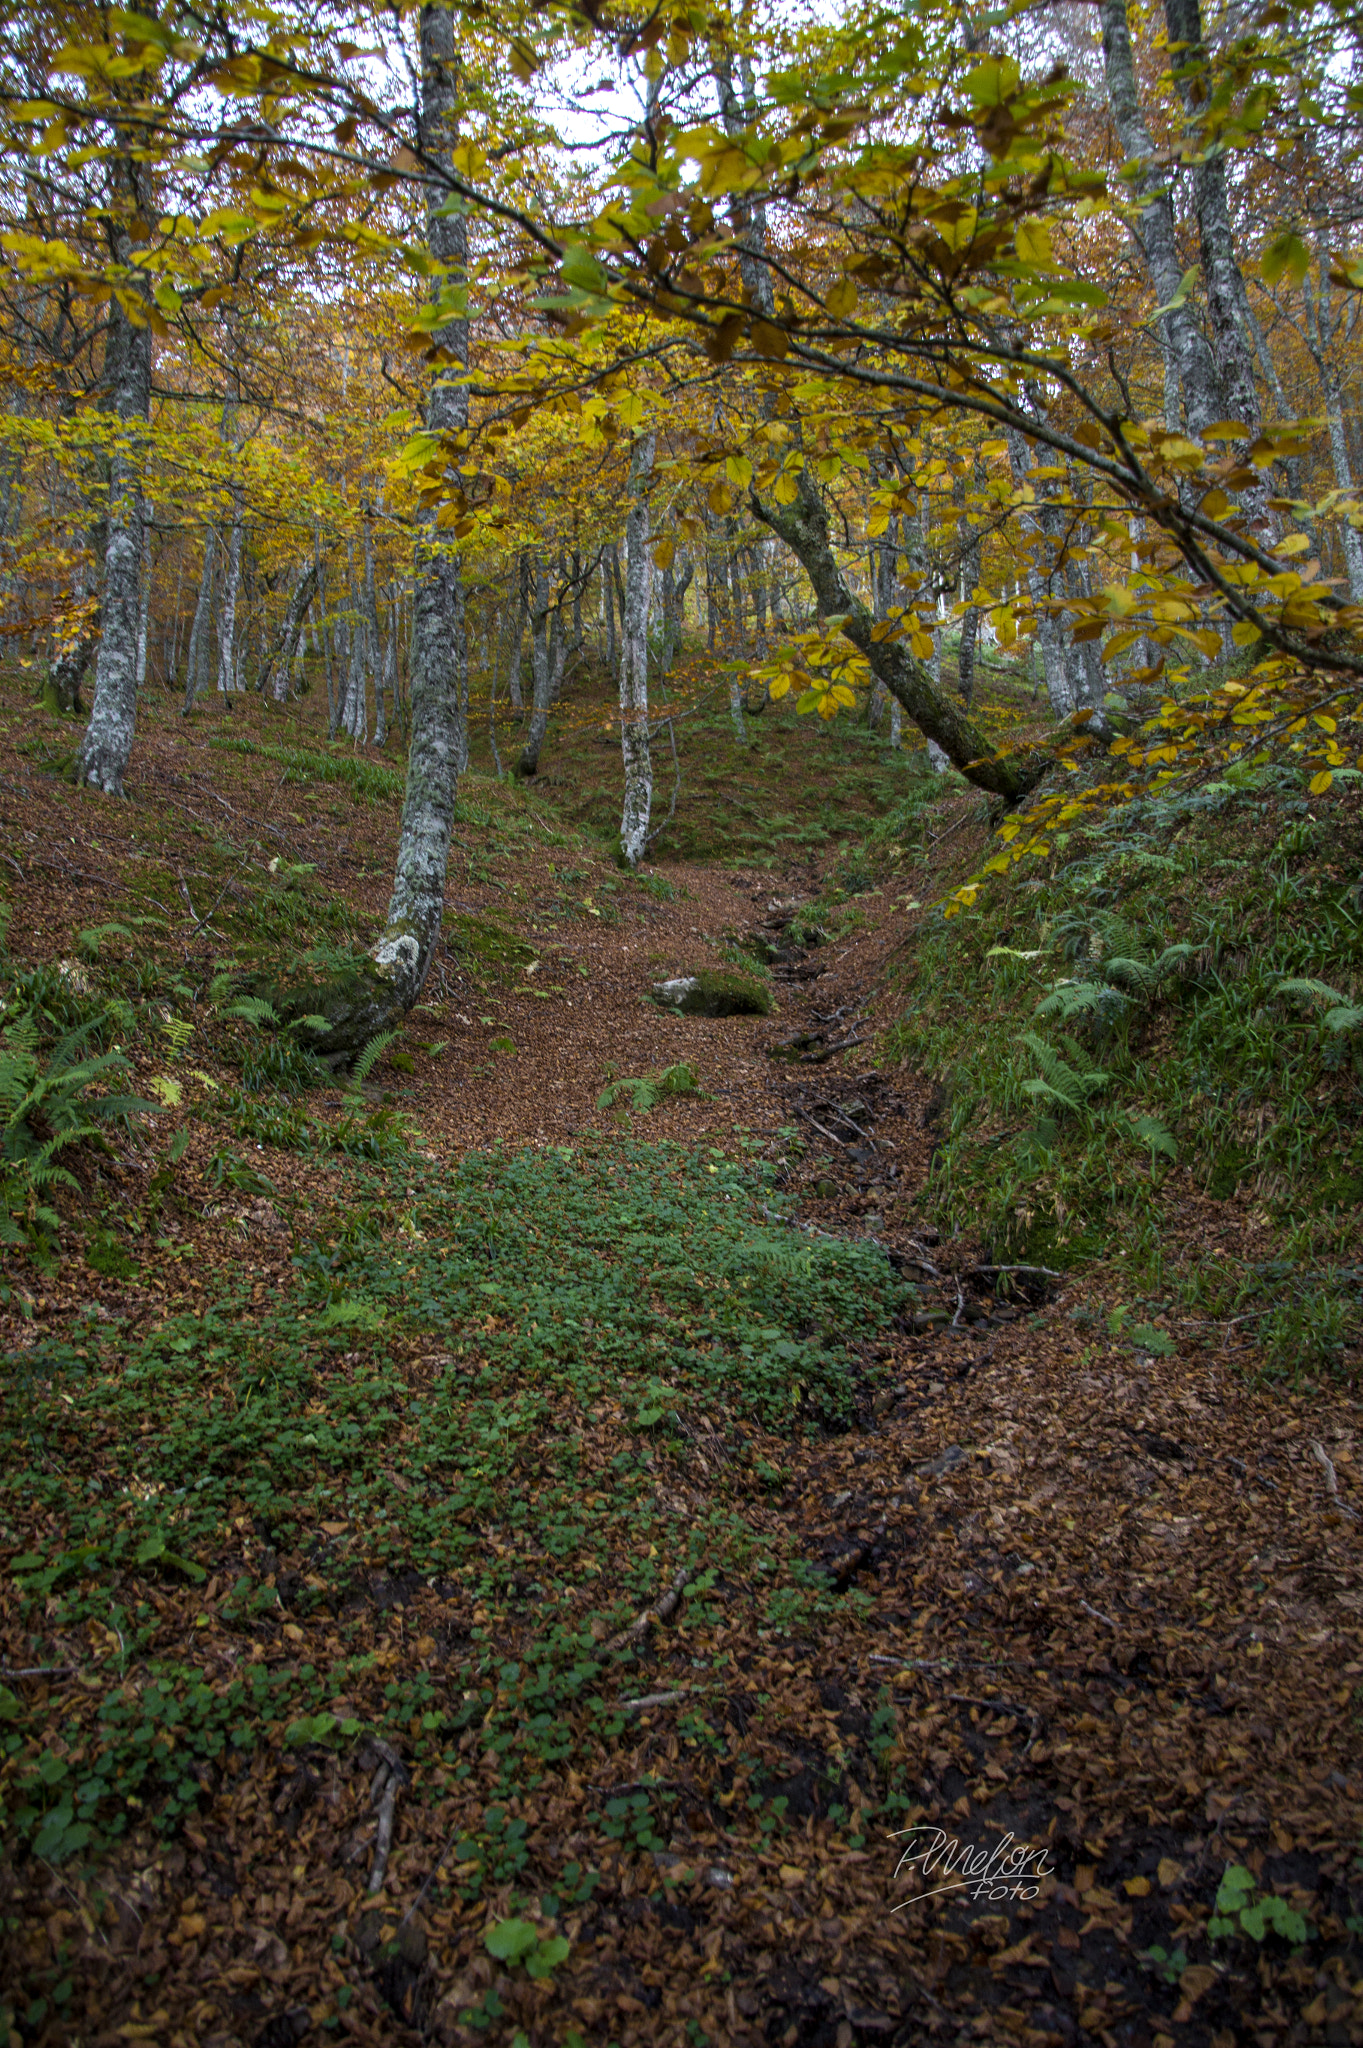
(1342, 1016)
(649, 1091)
(1058, 1081)
(254, 1009)
(371, 1055)
(45, 1109)
(179, 1031)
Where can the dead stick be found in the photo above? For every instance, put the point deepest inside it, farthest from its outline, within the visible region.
(664, 1611)
(383, 1840)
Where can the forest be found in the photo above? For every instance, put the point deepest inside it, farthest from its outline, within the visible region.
(681, 1024)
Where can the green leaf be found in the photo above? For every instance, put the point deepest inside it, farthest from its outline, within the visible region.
(510, 1940)
(547, 1956)
(579, 267)
(1287, 257)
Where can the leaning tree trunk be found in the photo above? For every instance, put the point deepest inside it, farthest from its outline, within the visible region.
(803, 527)
(278, 660)
(634, 659)
(107, 745)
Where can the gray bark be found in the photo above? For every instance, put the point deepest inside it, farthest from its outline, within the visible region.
(634, 747)
(439, 678)
(107, 745)
(1319, 335)
(144, 598)
(1155, 232)
(541, 668)
(231, 584)
(279, 659)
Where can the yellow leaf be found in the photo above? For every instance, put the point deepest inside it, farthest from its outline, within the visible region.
(1295, 544)
(1033, 241)
(779, 686)
(1320, 783)
(1324, 721)
(1169, 1872)
(738, 469)
(522, 64)
(720, 499)
(1243, 634)
(842, 695)
(663, 551)
(842, 300)
(1137, 1887)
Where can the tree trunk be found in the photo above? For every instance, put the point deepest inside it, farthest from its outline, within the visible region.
(634, 659)
(513, 673)
(144, 596)
(278, 660)
(1155, 233)
(107, 745)
(231, 583)
(803, 527)
(541, 672)
(402, 954)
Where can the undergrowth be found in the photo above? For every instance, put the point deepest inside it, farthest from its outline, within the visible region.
(517, 1293)
(1174, 1017)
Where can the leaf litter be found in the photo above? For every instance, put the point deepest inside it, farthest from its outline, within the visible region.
(527, 1585)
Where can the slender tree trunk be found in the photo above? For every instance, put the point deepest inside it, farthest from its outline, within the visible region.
(541, 665)
(144, 598)
(107, 745)
(1155, 231)
(513, 673)
(230, 587)
(1319, 336)
(634, 659)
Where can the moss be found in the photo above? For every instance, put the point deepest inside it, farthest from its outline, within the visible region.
(715, 993)
(482, 940)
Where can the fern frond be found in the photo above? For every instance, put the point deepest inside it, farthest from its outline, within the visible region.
(371, 1055)
(1314, 991)
(254, 1009)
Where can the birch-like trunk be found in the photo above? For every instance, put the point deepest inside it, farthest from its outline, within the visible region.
(231, 584)
(1319, 335)
(634, 746)
(401, 956)
(541, 670)
(144, 598)
(107, 746)
(1155, 232)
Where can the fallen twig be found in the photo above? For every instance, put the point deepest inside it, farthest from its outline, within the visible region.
(1323, 1459)
(1107, 1618)
(37, 1670)
(383, 1840)
(651, 1699)
(985, 1272)
(664, 1611)
(1255, 1478)
(840, 1142)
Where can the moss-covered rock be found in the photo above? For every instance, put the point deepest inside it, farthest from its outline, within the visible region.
(714, 993)
(352, 1004)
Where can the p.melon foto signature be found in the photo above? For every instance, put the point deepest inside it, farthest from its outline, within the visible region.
(1009, 1870)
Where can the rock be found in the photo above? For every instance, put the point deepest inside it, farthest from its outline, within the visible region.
(714, 994)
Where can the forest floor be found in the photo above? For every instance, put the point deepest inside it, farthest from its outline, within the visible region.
(481, 1565)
